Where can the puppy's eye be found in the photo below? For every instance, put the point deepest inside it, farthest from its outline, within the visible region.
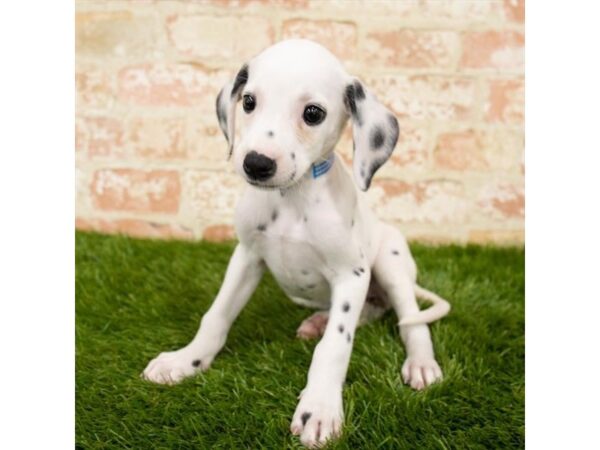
(314, 115)
(249, 103)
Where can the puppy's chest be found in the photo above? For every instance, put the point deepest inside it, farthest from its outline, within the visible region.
(289, 247)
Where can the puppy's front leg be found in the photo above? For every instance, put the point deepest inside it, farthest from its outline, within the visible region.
(243, 274)
(319, 414)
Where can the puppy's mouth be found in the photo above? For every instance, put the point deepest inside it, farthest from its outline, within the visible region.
(285, 181)
(263, 185)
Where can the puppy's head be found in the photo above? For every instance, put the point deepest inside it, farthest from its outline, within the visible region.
(296, 98)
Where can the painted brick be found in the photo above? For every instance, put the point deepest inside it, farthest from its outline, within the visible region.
(461, 12)
(116, 34)
(515, 10)
(412, 150)
(257, 4)
(502, 201)
(426, 97)
(339, 37)
(366, 8)
(135, 228)
(82, 189)
(479, 150)
(136, 190)
(100, 136)
(506, 101)
(158, 138)
(405, 48)
(493, 50)
(430, 201)
(218, 233)
(460, 151)
(497, 236)
(171, 85)
(206, 37)
(206, 143)
(210, 197)
(94, 88)
(147, 74)
(79, 136)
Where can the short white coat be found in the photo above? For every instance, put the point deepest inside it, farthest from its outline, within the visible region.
(317, 236)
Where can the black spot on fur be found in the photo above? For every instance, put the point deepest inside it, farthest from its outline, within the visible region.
(304, 417)
(261, 227)
(352, 93)
(274, 215)
(350, 100)
(304, 272)
(196, 363)
(395, 252)
(360, 92)
(352, 223)
(362, 270)
(270, 133)
(221, 115)
(346, 307)
(219, 101)
(375, 165)
(377, 138)
(348, 337)
(311, 286)
(240, 80)
(341, 328)
(393, 122)
(293, 155)
(358, 271)
(305, 219)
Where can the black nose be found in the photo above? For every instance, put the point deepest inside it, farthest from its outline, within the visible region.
(259, 167)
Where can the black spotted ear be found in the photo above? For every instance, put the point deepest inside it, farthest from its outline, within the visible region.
(226, 102)
(375, 132)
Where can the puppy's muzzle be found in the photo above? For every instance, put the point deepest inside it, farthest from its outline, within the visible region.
(259, 167)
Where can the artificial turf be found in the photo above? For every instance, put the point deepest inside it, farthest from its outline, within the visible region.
(136, 298)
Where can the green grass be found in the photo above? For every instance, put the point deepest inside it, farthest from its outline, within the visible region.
(136, 298)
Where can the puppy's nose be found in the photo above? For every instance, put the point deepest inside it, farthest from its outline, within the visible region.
(259, 167)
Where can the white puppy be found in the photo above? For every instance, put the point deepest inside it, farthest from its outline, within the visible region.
(303, 218)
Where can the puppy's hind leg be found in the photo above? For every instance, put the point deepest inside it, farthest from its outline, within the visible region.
(375, 307)
(376, 304)
(396, 273)
(313, 326)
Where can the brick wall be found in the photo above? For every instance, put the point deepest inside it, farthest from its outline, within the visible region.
(151, 160)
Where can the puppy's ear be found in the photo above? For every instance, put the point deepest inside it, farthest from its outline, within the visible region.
(375, 131)
(226, 103)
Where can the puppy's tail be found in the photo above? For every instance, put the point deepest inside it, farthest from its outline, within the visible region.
(435, 312)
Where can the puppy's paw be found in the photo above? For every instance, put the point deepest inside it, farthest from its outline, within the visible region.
(318, 418)
(420, 372)
(173, 367)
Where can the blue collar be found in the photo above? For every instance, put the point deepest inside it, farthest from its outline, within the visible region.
(323, 167)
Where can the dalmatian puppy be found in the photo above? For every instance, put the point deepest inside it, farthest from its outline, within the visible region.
(302, 217)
